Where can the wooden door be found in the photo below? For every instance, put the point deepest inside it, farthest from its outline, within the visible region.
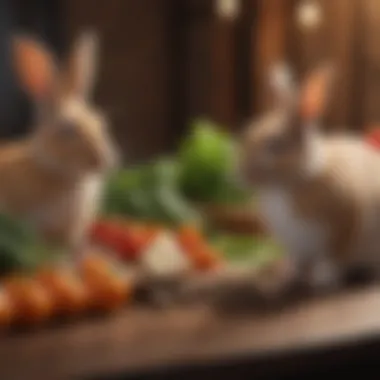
(134, 82)
(347, 35)
(165, 63)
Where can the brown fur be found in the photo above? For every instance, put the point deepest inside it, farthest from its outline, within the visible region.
(29, 187)
(53, 178)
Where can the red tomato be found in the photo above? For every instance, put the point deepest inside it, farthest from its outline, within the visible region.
(137, 238)
(127, 239)
(108, 234)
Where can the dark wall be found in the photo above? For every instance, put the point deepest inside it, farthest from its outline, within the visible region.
(134, 84)
(164, 63)
(37, 17)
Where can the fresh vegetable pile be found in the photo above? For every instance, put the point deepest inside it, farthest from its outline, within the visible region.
(151, 222)
(166, 190)
(20, 248)
(38, 285)
(139, 243)
(133, 242)
(57, 291)
(194, 187)
(175, 191)
(150, 193)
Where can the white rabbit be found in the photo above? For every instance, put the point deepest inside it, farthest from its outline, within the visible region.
(319, 196)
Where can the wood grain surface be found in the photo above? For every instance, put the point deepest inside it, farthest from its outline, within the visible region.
(145, 339)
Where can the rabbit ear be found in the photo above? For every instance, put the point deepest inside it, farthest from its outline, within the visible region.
(82, 65)
(35, 68)
(314, 93)
(282, 84)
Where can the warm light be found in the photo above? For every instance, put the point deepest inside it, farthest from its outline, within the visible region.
(309, 14)
(228, 9)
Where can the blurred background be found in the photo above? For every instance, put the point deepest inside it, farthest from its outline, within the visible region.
(166, 62)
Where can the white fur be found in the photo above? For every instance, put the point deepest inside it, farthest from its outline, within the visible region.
(89, 201)
(356, 172)
(76, 209)
(300, 238)
(304, 241)
(315, 156)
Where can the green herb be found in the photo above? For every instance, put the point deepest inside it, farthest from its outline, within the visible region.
(207, 158)
(20, 247)
(150, 193)
(246, 248)
(165, 190)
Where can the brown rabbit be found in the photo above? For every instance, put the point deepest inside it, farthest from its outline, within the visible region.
(319, 196)
(53, 178)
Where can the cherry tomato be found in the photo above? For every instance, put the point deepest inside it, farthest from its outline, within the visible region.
(137, 238)
(108, 234)
(126, 239)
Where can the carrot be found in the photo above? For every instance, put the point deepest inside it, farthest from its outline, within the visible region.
(32, 302)
(110, 294)
(205, 259)
(203, 256)
(109, 290)
(70, 294)
(7, 310)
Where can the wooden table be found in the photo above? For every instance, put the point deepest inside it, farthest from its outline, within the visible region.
(141, 339)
